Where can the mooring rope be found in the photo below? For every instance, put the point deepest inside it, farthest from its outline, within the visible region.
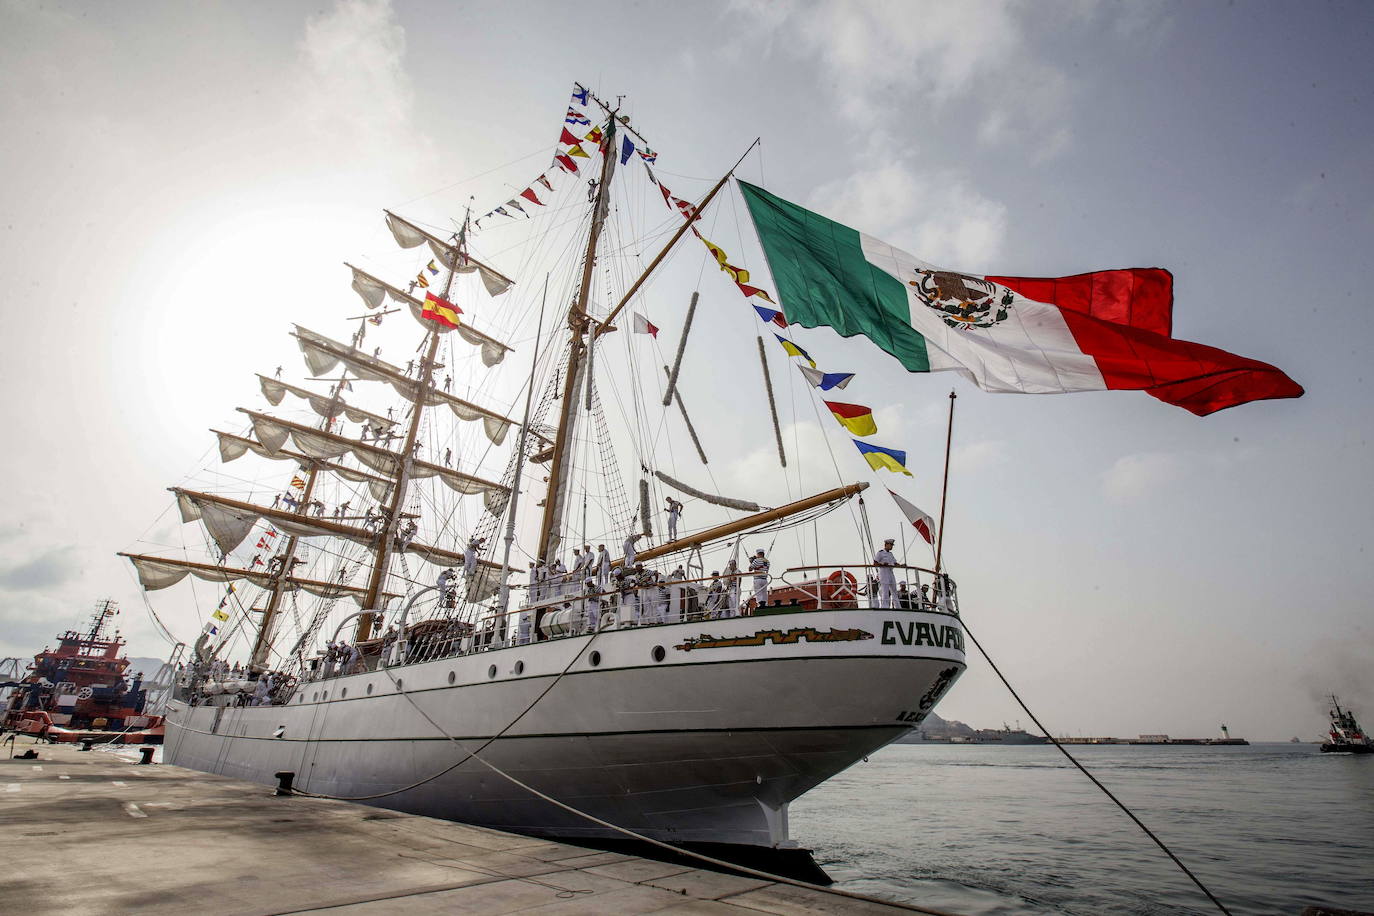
(1084, 770)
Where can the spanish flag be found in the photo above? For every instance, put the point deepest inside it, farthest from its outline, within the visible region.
(878, 457)
(440, 311)
(853, 417)
(794, 350)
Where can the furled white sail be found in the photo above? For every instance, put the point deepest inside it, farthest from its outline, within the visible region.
(156, 573)
(372, 290)
(232, 447)
(324, 405)
(406, 235)
(743, 505)
(409, 235)
(322, 354)
(273, 433)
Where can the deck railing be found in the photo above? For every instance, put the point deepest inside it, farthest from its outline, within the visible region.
(561, 607)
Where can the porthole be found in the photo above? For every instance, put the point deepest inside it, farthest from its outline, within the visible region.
(369, 690)
(519, 667)
(491, 672)
(316, 697)
(400, 684)
(343, 694)
(594, 659)
(452, 677)
(658, 654)
(325, 695)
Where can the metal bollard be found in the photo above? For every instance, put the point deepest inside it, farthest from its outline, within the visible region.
(147, 753)
(284, 780)
(86, 744)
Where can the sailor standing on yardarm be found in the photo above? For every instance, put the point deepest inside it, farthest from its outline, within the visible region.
(674, 513)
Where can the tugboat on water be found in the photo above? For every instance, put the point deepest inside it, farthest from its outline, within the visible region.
(1346, 735)
(79, 691)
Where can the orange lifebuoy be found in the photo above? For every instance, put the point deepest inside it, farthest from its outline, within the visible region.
(841, 576)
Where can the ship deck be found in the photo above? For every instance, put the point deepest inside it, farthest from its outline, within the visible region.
(94, 832)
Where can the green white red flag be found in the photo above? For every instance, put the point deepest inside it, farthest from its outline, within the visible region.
(1105, 330)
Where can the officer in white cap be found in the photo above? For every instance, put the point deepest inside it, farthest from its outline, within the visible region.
(887, 577)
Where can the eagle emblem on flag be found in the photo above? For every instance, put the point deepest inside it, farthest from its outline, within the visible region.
(963, 301)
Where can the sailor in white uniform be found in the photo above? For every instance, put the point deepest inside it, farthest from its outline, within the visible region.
(558, 573)
(758, 565)
(603, 567)
(887, 578)
(674, 513)
(591, 606)
(733, 584)
(630, 550)
(715, 595)
(470, 556)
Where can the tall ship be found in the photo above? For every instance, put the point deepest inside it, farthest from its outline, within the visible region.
(82, 690)
(473, 592)
(1345, 734)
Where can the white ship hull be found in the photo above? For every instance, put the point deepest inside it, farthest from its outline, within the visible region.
(708, 745)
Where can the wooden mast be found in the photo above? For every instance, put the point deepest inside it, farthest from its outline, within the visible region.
(388, 534)
(606, 325)
(577, 324)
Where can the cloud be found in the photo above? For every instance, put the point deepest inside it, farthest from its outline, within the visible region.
(51, 568)
(1132, 477)
(961, 228)
(355, 80)
(978, 456)
(925, 58)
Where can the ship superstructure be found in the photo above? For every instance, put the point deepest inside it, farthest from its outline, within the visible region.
(1345, 733)
(82, 689)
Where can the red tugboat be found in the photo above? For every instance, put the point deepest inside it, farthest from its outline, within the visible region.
(79, 691)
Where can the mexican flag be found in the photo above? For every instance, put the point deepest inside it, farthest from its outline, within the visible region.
(1110, 329)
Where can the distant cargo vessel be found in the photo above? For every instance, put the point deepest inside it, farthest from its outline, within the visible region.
(1224, 741)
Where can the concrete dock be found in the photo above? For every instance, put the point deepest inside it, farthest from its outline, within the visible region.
(95, 832)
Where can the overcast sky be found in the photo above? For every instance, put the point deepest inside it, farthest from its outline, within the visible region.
(180, 182)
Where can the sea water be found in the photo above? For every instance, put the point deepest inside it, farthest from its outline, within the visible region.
(984, 830)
